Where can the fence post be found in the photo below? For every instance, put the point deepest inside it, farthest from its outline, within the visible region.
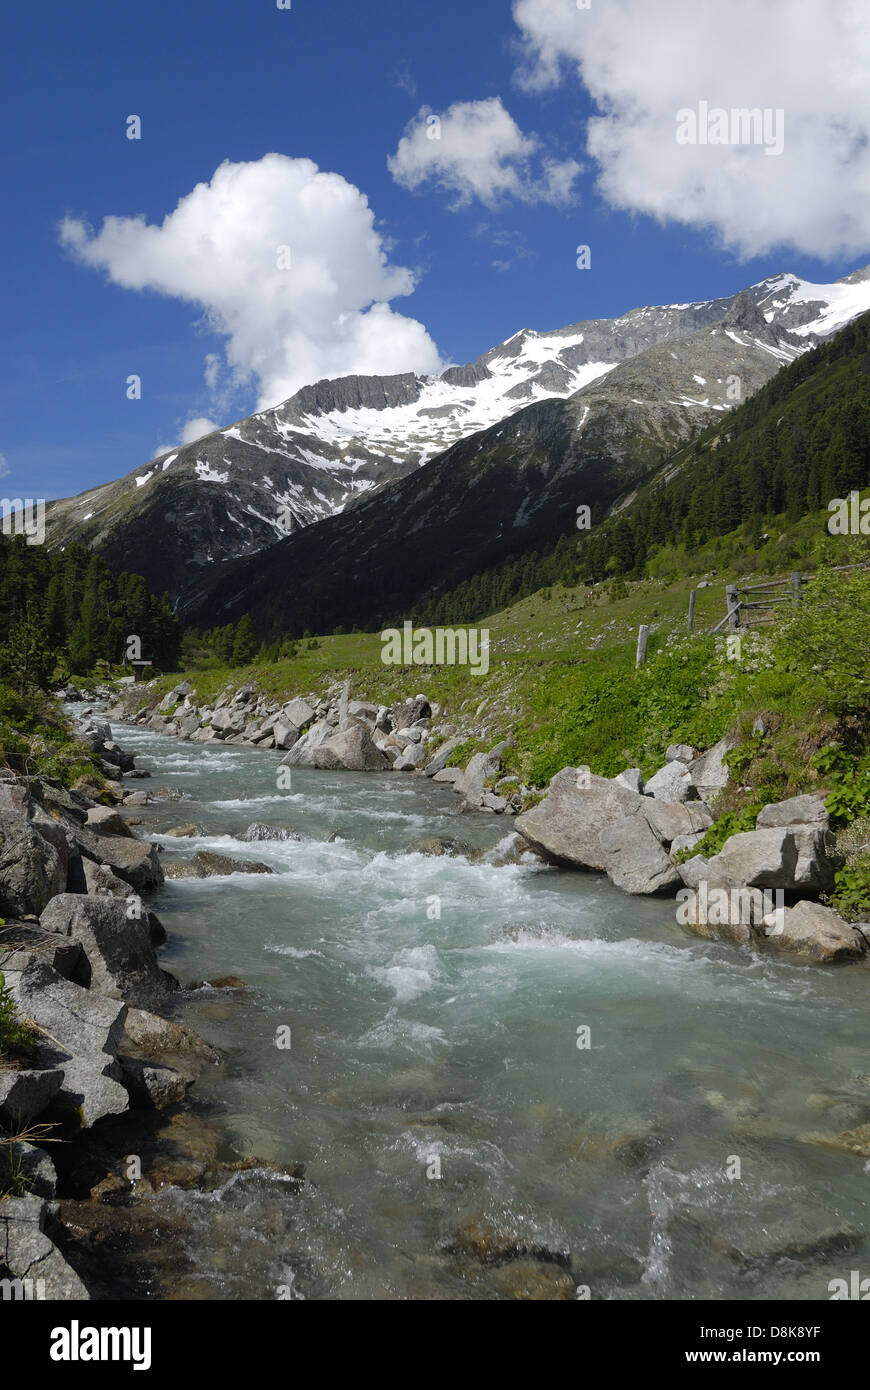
(796, 581)
(691, 621)
(731, 603)
(642, 635)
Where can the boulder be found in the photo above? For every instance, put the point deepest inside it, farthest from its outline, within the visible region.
(188, 725)
(135, 861)
(480, 769)
(405, 713)
(680, 753)
(183, 832)
(31, 867)
(29, 1255)
(303, 751)
(791, 858)
(76, 1019)
(693, 871)
(631, 779)
(151, 1085)
(798, 810)
(815, 933)
(439, 761)
(635, 859)
(99, 878)
(105, 820)
(411, 758)
(710, 772)
(353, 750)
(166, 1041)
(284, 734)
(259, 831)
(36, 1169)
(673, 782)
(84, 1029)
(20, 944)
(604, 826)
(205, 864)
(118, 958)
(298, 713)
(25, 1093)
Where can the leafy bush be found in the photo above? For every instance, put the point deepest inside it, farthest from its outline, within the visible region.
(851, 892)
(731, 823)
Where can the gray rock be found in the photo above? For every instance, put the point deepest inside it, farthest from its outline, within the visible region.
(118, 957)
(31, 868)
(26, 1093)
(352, 749)
(135, 861)
(36, 1169)
(710, 772)
(298, 713)
(151, 1085)
(99, 878)
(757, 858)
(259, 831)
(167, 1041)
(793, 858)
(92, 1087)
(451, 775)
(284, 734)
(693, 870)
(631, 779)
(636, 861)
(673, 782)
(413, 756)
(303, 751)
(798, 810)
(406, 713)
(76, 1019)
(683, 842)
(815, 933)
(106, 821)
(21, 943)
(680, 752)
(205, 864)
(29, 1254)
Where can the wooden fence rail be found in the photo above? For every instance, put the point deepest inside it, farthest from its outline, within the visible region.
(761, 600)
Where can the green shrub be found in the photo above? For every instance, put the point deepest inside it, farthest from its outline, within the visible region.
(851, 892)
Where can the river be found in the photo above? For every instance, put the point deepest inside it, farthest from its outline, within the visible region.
(460, 1138)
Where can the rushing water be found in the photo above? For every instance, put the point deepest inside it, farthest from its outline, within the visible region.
(417, 1037)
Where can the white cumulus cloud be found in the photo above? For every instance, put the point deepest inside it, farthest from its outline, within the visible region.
(475, 149)
(286, 261)
(643, 62)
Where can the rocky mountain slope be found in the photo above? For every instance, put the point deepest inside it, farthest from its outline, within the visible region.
(246, 488)
(504, 490)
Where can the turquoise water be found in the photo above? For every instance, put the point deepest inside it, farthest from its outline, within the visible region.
(433, 1007)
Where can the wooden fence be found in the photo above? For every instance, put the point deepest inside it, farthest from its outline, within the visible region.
(755, 605)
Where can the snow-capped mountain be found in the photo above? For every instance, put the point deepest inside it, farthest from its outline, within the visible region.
(241, 489)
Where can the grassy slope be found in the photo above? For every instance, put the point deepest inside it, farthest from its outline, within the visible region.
(562, 680)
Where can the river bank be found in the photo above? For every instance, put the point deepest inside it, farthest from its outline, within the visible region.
(416, 1038)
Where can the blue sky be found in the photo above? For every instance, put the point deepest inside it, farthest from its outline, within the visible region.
(337, 82)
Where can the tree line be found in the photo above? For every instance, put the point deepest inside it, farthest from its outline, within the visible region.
(62, 612)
